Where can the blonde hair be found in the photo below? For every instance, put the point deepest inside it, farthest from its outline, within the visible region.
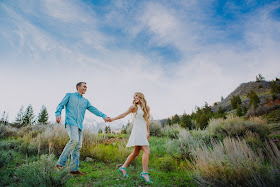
(143, 105)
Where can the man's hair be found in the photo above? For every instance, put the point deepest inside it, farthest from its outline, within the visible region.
(79, 84)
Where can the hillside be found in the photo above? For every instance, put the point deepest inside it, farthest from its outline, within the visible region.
(262, 89)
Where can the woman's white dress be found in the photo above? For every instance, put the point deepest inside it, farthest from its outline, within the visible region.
(138, 136)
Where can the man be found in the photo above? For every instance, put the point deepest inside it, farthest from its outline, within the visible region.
(76, 106)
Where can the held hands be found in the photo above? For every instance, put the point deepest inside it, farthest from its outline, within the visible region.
(58, 119)
(108, 119)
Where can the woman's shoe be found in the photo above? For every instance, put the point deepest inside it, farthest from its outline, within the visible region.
(141, 176)
(121, 173)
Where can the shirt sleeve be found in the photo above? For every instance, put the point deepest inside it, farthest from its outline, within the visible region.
(62, 104)
(95, 111)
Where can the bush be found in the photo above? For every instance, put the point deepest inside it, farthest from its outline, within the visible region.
(42, 173)
(6, 157)
(233, 163)
(166, 163)
(172, 131)
(262, 110)
(6, 131)
(155, 129)
(182, 146)
(237, 127)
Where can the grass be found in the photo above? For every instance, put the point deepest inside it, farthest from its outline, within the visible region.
(164, 170)
(101, 174)
(229, 152)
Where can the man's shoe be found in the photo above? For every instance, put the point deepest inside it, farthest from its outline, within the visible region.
(77, 173)
(58, 167)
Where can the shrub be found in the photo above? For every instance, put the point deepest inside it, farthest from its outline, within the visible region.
(237, 127)
(42, 173)
(172, 131)
(5, 157)
(90, 140)
(52, 140)
(262, 110)
(6, 131)
(233, 163)
(166, 163)
(182, 146)
(155, 129)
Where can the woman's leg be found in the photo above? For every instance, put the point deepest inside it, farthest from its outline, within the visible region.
(131, 157)
(145, 160)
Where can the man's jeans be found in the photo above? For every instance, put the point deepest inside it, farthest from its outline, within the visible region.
(73, 147)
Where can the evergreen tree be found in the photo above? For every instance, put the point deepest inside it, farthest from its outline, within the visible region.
(19, 118)
(107, 130)
(176, 119)
(254, 99)
(220, 113)
(100, 131)
(185, 121)
(234, 101)
(43, 116)
(203, 121)
(244, 110)
(123, 131)
(238, 111)
(4, 118)
(259, 78)
(274, 89)
(28, 117)
(168, 122)
(222, 98)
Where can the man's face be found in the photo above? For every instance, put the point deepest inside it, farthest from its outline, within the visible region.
(83, 88)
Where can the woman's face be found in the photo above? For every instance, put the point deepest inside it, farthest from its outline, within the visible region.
(136, 99)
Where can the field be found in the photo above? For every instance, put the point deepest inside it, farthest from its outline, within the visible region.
(229, 152)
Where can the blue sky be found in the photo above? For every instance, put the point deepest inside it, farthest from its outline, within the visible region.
(178, 53)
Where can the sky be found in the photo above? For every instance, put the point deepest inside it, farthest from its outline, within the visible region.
(180, 54)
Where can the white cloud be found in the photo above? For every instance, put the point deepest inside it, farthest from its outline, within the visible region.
(205, 72)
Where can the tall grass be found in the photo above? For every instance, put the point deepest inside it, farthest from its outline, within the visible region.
(232, 162)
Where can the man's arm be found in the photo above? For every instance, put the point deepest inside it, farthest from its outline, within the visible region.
(60, 106)
(95, 111)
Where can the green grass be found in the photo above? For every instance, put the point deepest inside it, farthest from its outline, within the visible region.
(102, 170)
(101, 174)
(273, 116)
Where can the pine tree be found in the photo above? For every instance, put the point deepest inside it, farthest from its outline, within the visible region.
(168, 122)
(254, 99)
(238, 111)
(107, 130)
(259, 78)
(100, 131)
(203, 121)
(234, 101)
(222, 98)
(43, 116)
(176, 119)
(185, 121)
(19, 118)
(244, 110)
(28, 117)
(4, 118)
(123, 131)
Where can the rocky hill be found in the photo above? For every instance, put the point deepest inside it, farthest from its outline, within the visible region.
(261, 88)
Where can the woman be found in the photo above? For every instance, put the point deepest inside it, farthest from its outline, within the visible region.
(139, 136)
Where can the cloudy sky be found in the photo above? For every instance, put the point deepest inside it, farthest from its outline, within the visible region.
(178, 53)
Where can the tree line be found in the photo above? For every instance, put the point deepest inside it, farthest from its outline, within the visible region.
(200, 118)
(27, 117)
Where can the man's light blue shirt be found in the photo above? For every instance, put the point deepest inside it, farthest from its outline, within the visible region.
(76, 106)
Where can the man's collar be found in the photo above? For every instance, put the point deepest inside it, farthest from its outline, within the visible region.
(77, 93)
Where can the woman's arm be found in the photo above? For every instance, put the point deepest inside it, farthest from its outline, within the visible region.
(131, 109)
